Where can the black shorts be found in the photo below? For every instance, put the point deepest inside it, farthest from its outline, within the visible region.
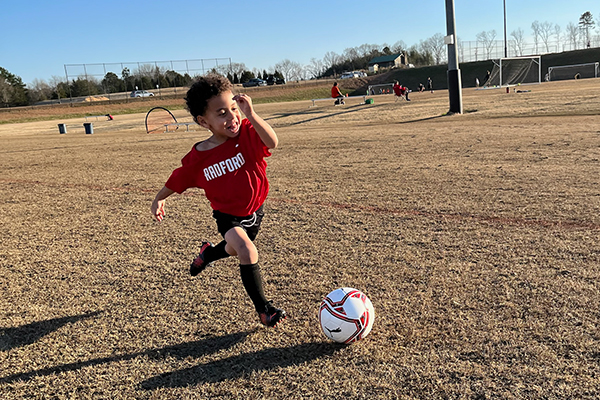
(250, 223)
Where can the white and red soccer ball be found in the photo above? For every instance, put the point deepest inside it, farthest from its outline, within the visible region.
(346, 315)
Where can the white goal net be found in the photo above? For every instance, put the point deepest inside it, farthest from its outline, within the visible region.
(575, 71)
(515, 71)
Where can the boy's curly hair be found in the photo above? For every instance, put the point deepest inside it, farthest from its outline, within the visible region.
(202, 90)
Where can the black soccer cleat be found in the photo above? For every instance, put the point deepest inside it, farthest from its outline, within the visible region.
(271, 316)
(198, 265)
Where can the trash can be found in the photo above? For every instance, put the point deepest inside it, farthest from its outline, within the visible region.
(89, 128)
(62, 128)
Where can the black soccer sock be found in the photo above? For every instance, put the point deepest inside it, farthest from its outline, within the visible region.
(252, 281)
(215, 253)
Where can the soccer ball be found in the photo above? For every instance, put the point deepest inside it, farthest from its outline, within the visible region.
(346, 315)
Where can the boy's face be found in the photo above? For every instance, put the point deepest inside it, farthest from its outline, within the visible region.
(222, 116)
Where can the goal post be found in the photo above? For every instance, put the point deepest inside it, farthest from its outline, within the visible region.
(383, 88)
(515, 71)
(574, 71)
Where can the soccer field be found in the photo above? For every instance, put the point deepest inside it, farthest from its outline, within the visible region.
(476, 236)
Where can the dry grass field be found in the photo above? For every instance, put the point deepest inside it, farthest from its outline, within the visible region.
(476, 236)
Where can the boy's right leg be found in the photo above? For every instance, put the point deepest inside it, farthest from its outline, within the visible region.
(208, 254)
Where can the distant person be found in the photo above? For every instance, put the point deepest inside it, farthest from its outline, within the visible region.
(487, 78)
(430, 85)
(578, 76)
(230, 167)
(421, 87)
(110, 117)
(400, 91)
(337, 94)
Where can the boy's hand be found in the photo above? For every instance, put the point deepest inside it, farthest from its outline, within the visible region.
(158, 209)
(245, 103)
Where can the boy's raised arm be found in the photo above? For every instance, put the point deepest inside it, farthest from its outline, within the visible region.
(265, 131)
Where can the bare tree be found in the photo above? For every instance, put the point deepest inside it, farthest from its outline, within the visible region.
(573, 35)
(546, 29)
(399, 47)
(39, 90)
(330, 59)
(557, 33)
(519, 41)
(238, 68)
(146, 70)
(350, 54)
(367, 50)
(438, 47)
(315, 68)
(297, 72)
(291, 70)
(425, 49)
(535, 27)
(487, 40)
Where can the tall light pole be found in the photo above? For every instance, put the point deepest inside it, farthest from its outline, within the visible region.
(454, 81)
(505, 48)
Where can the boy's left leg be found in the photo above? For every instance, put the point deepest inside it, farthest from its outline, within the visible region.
(239, 243)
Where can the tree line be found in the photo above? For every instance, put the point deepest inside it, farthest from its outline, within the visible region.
(430, 51)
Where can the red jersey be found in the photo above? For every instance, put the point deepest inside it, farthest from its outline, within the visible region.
(399, 90)
(233, 174)
(335, 92)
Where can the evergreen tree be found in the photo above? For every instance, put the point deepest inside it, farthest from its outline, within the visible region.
(112, 84)
(12, 90)
(83, 87)
(586, 22)
(246, 76)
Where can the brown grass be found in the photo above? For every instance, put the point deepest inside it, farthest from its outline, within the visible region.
(476, 236)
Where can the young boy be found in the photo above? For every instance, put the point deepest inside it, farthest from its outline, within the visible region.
(230, 166)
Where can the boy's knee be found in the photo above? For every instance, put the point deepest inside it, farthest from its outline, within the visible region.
(247, 253)
(241, 245)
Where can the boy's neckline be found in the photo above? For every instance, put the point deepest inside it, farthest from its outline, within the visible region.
(207, 144)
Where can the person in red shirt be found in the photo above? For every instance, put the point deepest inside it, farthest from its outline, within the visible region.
(400, 91)
(230, 167)
(337, 94)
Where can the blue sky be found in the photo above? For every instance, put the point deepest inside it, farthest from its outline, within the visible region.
(40, 36)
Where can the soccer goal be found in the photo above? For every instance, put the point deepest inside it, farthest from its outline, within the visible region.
(515, 71)
(574, 71)
(384, 88)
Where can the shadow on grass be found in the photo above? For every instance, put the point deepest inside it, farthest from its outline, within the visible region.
(195, 349)
(243, 364)
(346, 110)
(11, 338)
